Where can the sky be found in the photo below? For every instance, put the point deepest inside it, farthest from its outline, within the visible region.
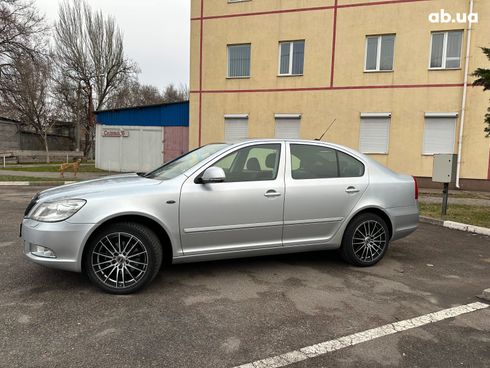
(156, 35)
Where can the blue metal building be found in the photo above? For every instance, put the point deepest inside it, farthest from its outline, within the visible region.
(141, 138)
(169, 114)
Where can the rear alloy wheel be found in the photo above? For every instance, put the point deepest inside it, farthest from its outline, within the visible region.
(123, 258)
(366, 240)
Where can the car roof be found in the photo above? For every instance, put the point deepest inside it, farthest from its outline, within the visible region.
(301, 141)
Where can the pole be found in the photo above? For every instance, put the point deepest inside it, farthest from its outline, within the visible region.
(463, 100)
(445, 195)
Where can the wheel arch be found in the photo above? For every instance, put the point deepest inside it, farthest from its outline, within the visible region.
(161, 233)
(377, 211)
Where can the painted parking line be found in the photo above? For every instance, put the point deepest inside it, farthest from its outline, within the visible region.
(357, 338)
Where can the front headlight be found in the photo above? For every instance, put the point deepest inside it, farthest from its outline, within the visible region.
(56, 211)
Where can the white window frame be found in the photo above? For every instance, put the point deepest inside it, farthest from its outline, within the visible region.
(228, 61)
(435, 115)
(444, 49)
(374, 115)
(291, 47)
(378, 54)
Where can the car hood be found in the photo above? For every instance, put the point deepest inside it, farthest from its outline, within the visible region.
(89, 187)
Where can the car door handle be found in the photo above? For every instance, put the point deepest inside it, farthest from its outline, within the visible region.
(272, 193)
(352, 190)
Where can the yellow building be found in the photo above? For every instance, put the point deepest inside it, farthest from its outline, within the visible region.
(392, 74)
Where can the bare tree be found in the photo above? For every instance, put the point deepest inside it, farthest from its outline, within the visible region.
(90, 56)
(133, 93)
(69, 99)
(173, 94)
(22, 30)
(27, 92)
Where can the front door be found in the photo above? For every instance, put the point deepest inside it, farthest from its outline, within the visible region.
(323, 185)
(243, 212)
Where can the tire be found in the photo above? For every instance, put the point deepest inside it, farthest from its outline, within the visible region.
(123, 257)
(365, 240)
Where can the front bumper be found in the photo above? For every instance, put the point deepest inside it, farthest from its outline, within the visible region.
(64, 238)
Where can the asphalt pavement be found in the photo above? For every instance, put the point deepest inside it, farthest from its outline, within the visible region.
(233, 312)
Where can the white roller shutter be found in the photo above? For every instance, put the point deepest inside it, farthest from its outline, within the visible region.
(236, 128)
(439, 133)
(288, 126)
(374, 135)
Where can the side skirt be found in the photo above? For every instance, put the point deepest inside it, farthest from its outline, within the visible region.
(252, 253)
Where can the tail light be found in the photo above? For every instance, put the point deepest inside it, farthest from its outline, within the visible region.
(416, 186)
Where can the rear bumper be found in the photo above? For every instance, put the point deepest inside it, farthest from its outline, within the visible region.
(405, 220)
(63, 238)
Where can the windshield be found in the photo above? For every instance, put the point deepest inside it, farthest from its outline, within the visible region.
(183, 163)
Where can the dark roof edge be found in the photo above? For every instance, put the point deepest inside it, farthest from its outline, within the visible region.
(142, 106)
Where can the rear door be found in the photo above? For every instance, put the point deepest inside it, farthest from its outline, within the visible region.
(322, 187)
(244, 212)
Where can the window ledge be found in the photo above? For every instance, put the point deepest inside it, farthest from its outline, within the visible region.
(444, 69)
(432, 154)
(379, 71)
(238, 77)
(290, 75)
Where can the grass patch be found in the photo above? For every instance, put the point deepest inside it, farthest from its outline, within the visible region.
(55, 168)
(29, 178)
(467, 214)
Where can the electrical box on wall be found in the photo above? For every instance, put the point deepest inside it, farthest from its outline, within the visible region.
(444, 170)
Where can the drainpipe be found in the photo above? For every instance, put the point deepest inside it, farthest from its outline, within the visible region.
(465, 92)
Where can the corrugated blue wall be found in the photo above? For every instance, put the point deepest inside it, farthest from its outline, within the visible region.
(174, 114)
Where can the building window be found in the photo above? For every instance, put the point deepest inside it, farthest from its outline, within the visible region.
(239, 61)
(446, 50)
(379, 53)
(439, 133)
(287, 126)
(236, 128)
(291, 57)
(374, 134)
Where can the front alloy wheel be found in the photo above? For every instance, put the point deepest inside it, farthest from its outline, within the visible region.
(365, 240)
(123, 258)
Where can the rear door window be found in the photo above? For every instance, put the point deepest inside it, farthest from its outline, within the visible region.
(320, 162)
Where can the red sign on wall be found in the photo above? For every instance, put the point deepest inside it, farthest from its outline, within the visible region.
(117, 133)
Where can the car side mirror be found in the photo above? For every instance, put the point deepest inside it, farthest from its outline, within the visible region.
(213, 174)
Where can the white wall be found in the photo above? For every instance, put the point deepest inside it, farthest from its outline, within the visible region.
(141, 151)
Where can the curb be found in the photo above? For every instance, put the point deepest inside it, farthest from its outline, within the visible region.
(485, 295)
(456, 225)
(34, 183)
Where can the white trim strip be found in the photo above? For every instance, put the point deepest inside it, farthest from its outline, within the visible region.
(441, 114)
(287, 116)
(313, 221)
(375, 114)
(357, 338)
(231, 227)
(236, 116)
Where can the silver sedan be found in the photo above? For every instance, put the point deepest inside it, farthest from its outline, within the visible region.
(220, 201)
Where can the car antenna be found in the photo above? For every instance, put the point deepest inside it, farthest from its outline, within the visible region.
(325, 132)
